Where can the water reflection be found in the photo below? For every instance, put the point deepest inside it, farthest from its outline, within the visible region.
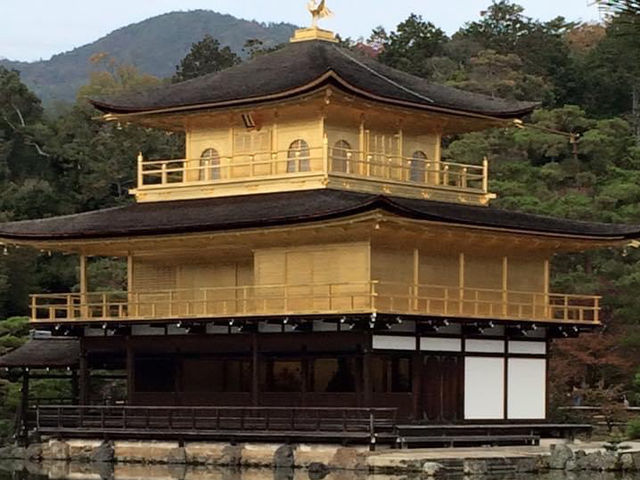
(25, 470)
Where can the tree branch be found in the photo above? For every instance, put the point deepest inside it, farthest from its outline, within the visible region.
(19, 113)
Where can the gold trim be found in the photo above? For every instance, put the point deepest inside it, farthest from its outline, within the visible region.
(308, 34)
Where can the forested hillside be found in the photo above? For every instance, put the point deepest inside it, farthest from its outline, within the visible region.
(578, 157)
(154, 46)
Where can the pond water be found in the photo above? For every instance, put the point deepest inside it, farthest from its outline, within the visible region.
(62, 470)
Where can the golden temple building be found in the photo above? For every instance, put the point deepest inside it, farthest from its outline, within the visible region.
(313, 252)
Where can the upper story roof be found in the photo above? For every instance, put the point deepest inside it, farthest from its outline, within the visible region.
(304, 67)
(291, 208)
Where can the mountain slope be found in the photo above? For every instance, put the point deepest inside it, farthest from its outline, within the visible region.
(155, 46)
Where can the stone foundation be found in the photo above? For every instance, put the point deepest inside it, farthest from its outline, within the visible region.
(169, 460)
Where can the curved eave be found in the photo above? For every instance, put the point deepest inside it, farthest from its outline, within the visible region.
(329, 78)
(364, 207)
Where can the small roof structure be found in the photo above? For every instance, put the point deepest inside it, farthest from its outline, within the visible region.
(290, 208)
(51, 352)
(304, 67)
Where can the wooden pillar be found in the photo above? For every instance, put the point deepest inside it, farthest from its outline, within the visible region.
(131, 371)
(367, 390)
(304, 365)
(132, 307)
(364, 164)
(255, 372)
(75, 390)
(405, 173)
(505, 285)
(437, 153)
(416, 278)
(84, 310)
(416, 383)
(461, 283)
(130, 273)
(84, 378)
(23, 426)
(547, 275)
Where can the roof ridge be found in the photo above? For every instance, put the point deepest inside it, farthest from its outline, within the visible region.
(383, 77)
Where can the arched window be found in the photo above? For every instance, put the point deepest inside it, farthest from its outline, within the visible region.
(209, 165)
(298, 157)
(341, 157)
(418, 167)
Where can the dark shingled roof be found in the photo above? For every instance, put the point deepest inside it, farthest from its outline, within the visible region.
(303, 67)
(54, 352)
(288, 208)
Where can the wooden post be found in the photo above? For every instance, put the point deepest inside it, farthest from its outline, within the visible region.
(362, 147)
(547, 307)
(416, 382)
(367, 389)
(461, 283)
(130, 365)
(84, 378)
(404, 172)
(416, 278)
(325, 152)
(75, 391)
(34, 308)
(84, 309)
(438, 159)
(505, 285)
(255, 365)
(485, 175)
(140, 169)
(23, 425)
(131, 312)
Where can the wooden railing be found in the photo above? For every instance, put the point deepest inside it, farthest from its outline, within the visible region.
(138, 421)
(275, 164)
(357, 297)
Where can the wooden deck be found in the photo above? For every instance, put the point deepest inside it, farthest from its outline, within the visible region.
(317, 299)
(340, 425)
(157, 174)
(370, 426)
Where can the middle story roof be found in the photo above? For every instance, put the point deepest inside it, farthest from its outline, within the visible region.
(290, 208)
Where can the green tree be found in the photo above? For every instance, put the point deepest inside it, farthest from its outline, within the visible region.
(541, 46)
(205, 57)
(412, 46)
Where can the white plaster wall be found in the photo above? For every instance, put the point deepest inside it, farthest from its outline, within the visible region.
(483, 388)
(528, 348)
(526, 391)
(435, 344)
(388, 342)
(484, 346)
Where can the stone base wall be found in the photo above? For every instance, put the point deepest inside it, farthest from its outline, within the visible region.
(169, 460)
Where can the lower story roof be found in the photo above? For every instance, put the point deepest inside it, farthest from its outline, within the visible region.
(289, 208)
(52, 352)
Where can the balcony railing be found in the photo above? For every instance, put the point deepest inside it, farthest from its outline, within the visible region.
(344, 298)
(154, 174)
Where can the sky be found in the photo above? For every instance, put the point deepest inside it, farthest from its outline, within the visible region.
(37, 29)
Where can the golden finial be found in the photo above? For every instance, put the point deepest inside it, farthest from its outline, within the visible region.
(318, 11)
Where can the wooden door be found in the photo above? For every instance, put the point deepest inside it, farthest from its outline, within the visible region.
(442, 388)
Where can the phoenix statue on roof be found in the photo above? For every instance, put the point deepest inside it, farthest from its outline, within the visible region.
(318, 11)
